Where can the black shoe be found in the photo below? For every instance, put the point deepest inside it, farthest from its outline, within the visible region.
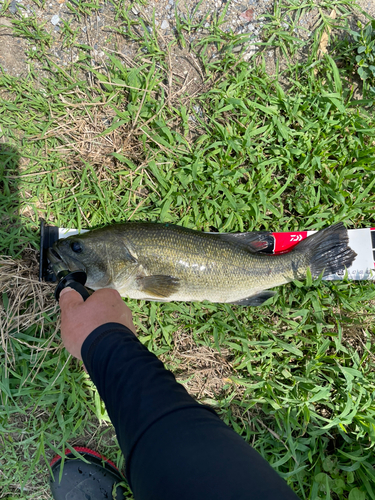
(85, 481)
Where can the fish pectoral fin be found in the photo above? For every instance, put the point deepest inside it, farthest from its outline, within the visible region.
(158, 285)
(256, 241)
(255, 300)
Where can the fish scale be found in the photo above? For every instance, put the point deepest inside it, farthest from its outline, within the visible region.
(210, 269)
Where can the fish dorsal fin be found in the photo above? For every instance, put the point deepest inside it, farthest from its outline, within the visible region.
(255, 241)
(159, 285)
(255, 300)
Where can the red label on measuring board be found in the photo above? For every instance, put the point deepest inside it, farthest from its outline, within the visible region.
(286, 241)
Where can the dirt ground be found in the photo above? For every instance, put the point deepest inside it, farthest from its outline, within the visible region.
(98, 31)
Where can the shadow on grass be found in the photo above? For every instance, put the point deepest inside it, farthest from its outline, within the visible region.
(15, 237)
(10, 225)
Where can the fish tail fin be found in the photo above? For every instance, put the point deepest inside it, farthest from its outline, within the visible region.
(327, 250)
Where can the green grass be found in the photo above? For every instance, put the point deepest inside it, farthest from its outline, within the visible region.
(245, 153)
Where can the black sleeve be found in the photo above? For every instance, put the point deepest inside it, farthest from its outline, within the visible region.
(174, 447)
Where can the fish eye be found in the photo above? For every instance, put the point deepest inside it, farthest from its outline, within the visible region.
(76, 247)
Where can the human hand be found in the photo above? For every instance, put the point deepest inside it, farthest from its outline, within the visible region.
(79, 318)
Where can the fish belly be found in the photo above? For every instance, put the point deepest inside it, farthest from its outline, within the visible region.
(200, 290)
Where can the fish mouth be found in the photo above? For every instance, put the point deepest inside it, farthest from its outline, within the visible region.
(54, 256)
(60, 263)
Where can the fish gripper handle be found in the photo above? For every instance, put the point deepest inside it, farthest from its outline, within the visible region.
(75, 280)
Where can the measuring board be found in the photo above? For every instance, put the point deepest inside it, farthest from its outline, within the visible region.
(362, 241)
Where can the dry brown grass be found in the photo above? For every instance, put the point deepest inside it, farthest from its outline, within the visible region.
(25, 303)
(201, 369)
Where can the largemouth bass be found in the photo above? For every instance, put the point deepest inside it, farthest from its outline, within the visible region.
(165, 262)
